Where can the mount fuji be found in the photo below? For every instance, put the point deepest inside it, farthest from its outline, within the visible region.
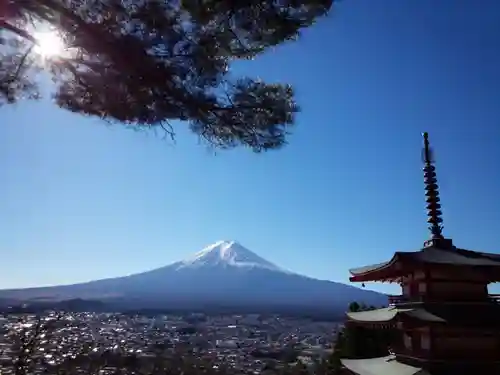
(223, 274)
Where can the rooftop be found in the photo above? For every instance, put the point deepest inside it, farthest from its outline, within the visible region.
(429, 255)
(381, 366)
(387, 314)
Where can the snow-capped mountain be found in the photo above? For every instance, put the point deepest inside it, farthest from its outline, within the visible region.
(225, 273)
(227, 254)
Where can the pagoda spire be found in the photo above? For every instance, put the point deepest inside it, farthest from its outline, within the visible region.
(434, 214)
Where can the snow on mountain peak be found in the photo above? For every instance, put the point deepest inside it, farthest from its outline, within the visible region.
(227, 253)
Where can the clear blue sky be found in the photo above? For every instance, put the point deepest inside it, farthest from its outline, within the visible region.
(80, 200)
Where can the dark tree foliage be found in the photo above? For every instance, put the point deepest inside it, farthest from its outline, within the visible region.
(17, 68)
(356, 341)
(362, 342)
(354, 307)
(145, 63)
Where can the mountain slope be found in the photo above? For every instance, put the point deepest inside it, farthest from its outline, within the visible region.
(223, 273)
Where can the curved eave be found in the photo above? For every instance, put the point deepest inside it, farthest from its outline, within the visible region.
(381, 366)
(394, 269)
(382, 271)
(424, 316)
(388, 315)
(383, 315)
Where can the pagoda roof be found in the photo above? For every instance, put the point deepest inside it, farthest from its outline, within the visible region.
(393, 269)
(381, 366)
(388, 314)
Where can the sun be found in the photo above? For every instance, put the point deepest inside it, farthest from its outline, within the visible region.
(49, 44)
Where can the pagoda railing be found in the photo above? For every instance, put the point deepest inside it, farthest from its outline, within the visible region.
(447, 354)
(400, 299)
(395, 299)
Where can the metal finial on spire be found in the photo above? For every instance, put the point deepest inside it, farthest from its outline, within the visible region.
(431, 192)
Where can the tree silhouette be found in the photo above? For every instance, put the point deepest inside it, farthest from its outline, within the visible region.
(357, 341)
(145, 63)
(354, 307)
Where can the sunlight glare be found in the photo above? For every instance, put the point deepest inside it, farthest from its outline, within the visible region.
(50, 44)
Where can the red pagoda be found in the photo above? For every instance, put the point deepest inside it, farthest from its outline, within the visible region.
(445, 321)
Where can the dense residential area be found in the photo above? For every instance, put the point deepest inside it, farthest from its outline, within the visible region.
(248, 343)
